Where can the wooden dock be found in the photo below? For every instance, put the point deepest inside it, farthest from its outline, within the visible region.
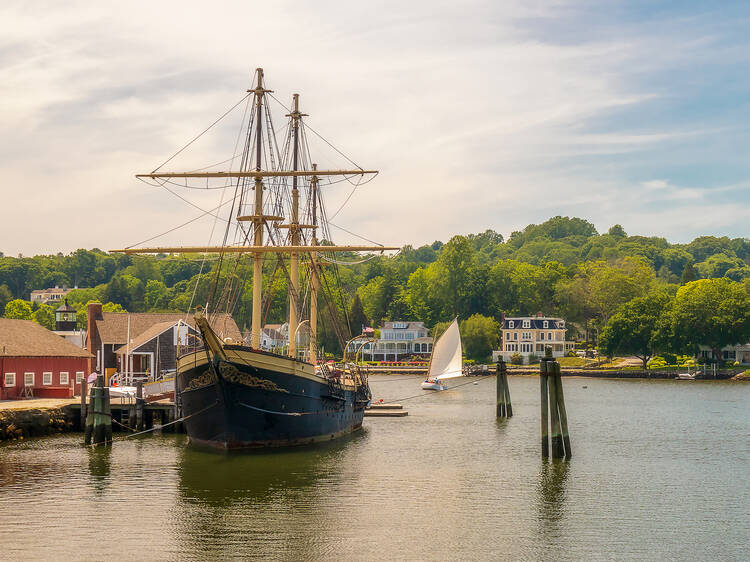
(380, 410)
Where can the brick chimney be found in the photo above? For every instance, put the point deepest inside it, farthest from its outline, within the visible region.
(93, 340)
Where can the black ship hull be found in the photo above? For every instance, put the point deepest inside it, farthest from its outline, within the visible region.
(254, 399)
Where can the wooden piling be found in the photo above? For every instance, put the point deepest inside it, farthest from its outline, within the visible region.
(139, 403)
(556, 433)
(563, 413)
(99, 415)
(543, 384)
(508, 406)
(500, 394)
(84, 396)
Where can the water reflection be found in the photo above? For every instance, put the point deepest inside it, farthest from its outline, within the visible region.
(257, 499)
(551, 490)
(100, 465)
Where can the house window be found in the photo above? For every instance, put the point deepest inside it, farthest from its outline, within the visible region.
(10, 379)
(79, 377)
(28, 379)
(511, 324)
(527, 323)
(545, 324)
(550, 336)
(526, 336)
(47, 378)
(64, 378)
(541, 335)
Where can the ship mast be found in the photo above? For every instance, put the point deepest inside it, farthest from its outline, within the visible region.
(294, 231)
(258, 219)
(314, 281)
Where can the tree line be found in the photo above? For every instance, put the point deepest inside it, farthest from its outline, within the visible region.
(563, 267)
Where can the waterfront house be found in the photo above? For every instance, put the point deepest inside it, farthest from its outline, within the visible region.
(35, 362)
(109, 331)
(529, 335)
(398, 340)
(53, 295)
(739, 353)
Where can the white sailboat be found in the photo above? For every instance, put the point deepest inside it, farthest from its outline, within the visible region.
(446, 361)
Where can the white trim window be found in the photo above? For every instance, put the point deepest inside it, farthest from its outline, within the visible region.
(526, 336)
(10, 379)
(550, 336)
(545, 324)
(541, 336)
(526, 324)
(28, 379)
(79, 377)
(511, 324)
(47, 378)
(64, 378)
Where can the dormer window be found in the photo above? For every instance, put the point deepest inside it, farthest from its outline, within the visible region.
(527, 323)
(561, 324)
(511, 324)
(545, 324)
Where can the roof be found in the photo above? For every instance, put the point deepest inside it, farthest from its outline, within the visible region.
(147, 336)
(535, 322)
(25, 338)
(113, 326)
(403, 325)
(52, 290)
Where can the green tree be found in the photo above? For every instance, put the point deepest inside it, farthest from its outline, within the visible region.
(710, 312)
(5, 296)
(632, 329)
(480, 335)
(717, 265)
(45, 316)
(688, 273)
(357, 317)
(18, 309)
(156, 295)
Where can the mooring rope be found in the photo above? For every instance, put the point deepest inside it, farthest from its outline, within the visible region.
(183, 418)
(280, 413)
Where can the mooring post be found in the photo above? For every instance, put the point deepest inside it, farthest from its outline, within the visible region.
(508, 406)
(99, 415)
(556, 433)
(139, 406)
(501, 394)
(563, 413)
(543, 384)
(84, 392)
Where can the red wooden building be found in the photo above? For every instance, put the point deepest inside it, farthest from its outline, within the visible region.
(35, 362)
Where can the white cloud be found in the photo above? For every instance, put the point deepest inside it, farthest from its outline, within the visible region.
(474, 118)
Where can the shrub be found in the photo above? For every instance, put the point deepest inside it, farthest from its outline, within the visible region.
(656, 362)
(571, 353)
(533, 358)
(516, 359)
(670, 358)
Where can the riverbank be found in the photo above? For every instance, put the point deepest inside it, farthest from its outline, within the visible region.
(17, 422)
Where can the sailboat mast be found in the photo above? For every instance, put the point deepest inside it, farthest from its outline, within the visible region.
(314, 281)
(258, 219)
(294, 231)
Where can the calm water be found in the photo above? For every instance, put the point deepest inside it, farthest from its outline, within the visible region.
(660, 471)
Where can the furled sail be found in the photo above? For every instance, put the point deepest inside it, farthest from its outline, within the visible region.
(446, 355)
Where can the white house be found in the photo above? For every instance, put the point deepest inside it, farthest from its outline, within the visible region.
(529, 335)
(397, 340)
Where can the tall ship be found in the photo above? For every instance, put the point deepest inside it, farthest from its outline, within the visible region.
(239, 396)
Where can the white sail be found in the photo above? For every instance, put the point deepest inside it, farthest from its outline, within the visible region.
(446, 355)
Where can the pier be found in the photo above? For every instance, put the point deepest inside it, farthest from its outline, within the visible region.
(21, 419)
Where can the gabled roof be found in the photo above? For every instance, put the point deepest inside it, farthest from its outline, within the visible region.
(24, 338)
(148, 335)
(113, 326)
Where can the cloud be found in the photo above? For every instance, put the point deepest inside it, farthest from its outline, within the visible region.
(478, 116)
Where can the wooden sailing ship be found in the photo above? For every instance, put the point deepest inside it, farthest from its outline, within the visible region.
(236, 396)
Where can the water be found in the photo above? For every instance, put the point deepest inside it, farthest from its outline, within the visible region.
(660, 471)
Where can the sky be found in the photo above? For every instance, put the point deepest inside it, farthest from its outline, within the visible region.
(477, 114)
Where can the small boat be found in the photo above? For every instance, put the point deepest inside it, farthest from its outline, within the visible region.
(685, 377)
(446, 361)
